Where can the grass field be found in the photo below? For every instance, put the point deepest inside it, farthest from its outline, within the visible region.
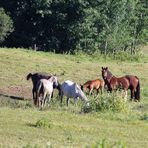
(67, 126)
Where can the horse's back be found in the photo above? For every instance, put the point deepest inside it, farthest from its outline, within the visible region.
(66, 85)
(133, 80)
(47, 85)
(97, 83)
(68, 88)
(68, 82)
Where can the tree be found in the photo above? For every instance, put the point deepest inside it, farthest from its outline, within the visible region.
(6, 25)
(67, 25)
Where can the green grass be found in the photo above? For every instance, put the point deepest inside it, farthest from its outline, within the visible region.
(22, 125)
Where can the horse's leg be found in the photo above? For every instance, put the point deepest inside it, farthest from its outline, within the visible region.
(97, 91)
(132, 94)
(52, 96)
(75, 100)
(34, 97)
(101, 88)
(135, 95)
(61, 97)
(67, 101)
(37, 99)
(44, 99)
(49, 99)
(90, 92)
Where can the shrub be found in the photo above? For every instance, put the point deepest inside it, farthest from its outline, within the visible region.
(107, 102)
(43, 123)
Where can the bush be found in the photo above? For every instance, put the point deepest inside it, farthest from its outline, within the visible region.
(6, 25)
(107, 102)
(43, 123)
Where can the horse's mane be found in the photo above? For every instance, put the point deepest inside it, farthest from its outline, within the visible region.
(109, 74)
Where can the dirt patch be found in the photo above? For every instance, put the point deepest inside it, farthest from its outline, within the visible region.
(19, 92)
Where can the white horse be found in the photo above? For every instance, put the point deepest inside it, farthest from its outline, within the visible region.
(45, 88)
(72, 90)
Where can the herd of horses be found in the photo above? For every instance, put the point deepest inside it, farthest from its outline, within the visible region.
(44, 85)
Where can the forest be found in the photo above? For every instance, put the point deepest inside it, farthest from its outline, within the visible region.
(71, 25)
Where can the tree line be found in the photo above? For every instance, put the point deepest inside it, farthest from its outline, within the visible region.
(69, 25)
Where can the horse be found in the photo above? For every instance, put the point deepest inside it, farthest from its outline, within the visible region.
(97, 84)
(126, 82)
(35, 77)
(45, 88)
(72, 90)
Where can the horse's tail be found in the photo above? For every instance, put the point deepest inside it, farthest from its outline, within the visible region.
(28, 76)
(39, 88)
(137, 93)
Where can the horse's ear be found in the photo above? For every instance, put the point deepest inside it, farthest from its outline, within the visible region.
(102, 68)
(106, 68)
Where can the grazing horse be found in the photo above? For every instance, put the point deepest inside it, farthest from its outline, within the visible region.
(93, 84)
(45, 88)
(35, 78)
(126, 82)
(72, 90)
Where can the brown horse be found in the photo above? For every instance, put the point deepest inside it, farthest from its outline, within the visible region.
(126, 82)
(93, 84)
(36, 77)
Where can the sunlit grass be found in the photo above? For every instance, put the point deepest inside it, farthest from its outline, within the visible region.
(66, 126)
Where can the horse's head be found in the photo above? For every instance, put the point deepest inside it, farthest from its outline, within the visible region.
(80, 93)
(104, 72)
(54, 80)
(81, 87)
(28, 76)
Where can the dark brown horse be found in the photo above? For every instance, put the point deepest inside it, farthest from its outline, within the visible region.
(35, 78)
(126, 82)
(97, 84)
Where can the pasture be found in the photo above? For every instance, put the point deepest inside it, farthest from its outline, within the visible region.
(67, 126)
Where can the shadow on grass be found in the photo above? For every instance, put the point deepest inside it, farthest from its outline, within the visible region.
(12, 97)
(31, 125)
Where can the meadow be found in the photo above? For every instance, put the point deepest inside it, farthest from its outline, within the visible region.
(23, 125)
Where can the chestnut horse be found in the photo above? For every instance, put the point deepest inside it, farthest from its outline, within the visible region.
(93, 84)
(126, 82)
(35, 78)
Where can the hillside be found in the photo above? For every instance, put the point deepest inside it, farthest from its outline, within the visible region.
(68, 126)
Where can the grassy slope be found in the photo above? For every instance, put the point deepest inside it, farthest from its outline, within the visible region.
(68, 126)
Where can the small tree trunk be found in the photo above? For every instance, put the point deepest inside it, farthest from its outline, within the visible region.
(35, 48)
(105, 49)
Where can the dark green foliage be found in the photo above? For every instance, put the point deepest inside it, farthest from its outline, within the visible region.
(89, 25)
(6, 25)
